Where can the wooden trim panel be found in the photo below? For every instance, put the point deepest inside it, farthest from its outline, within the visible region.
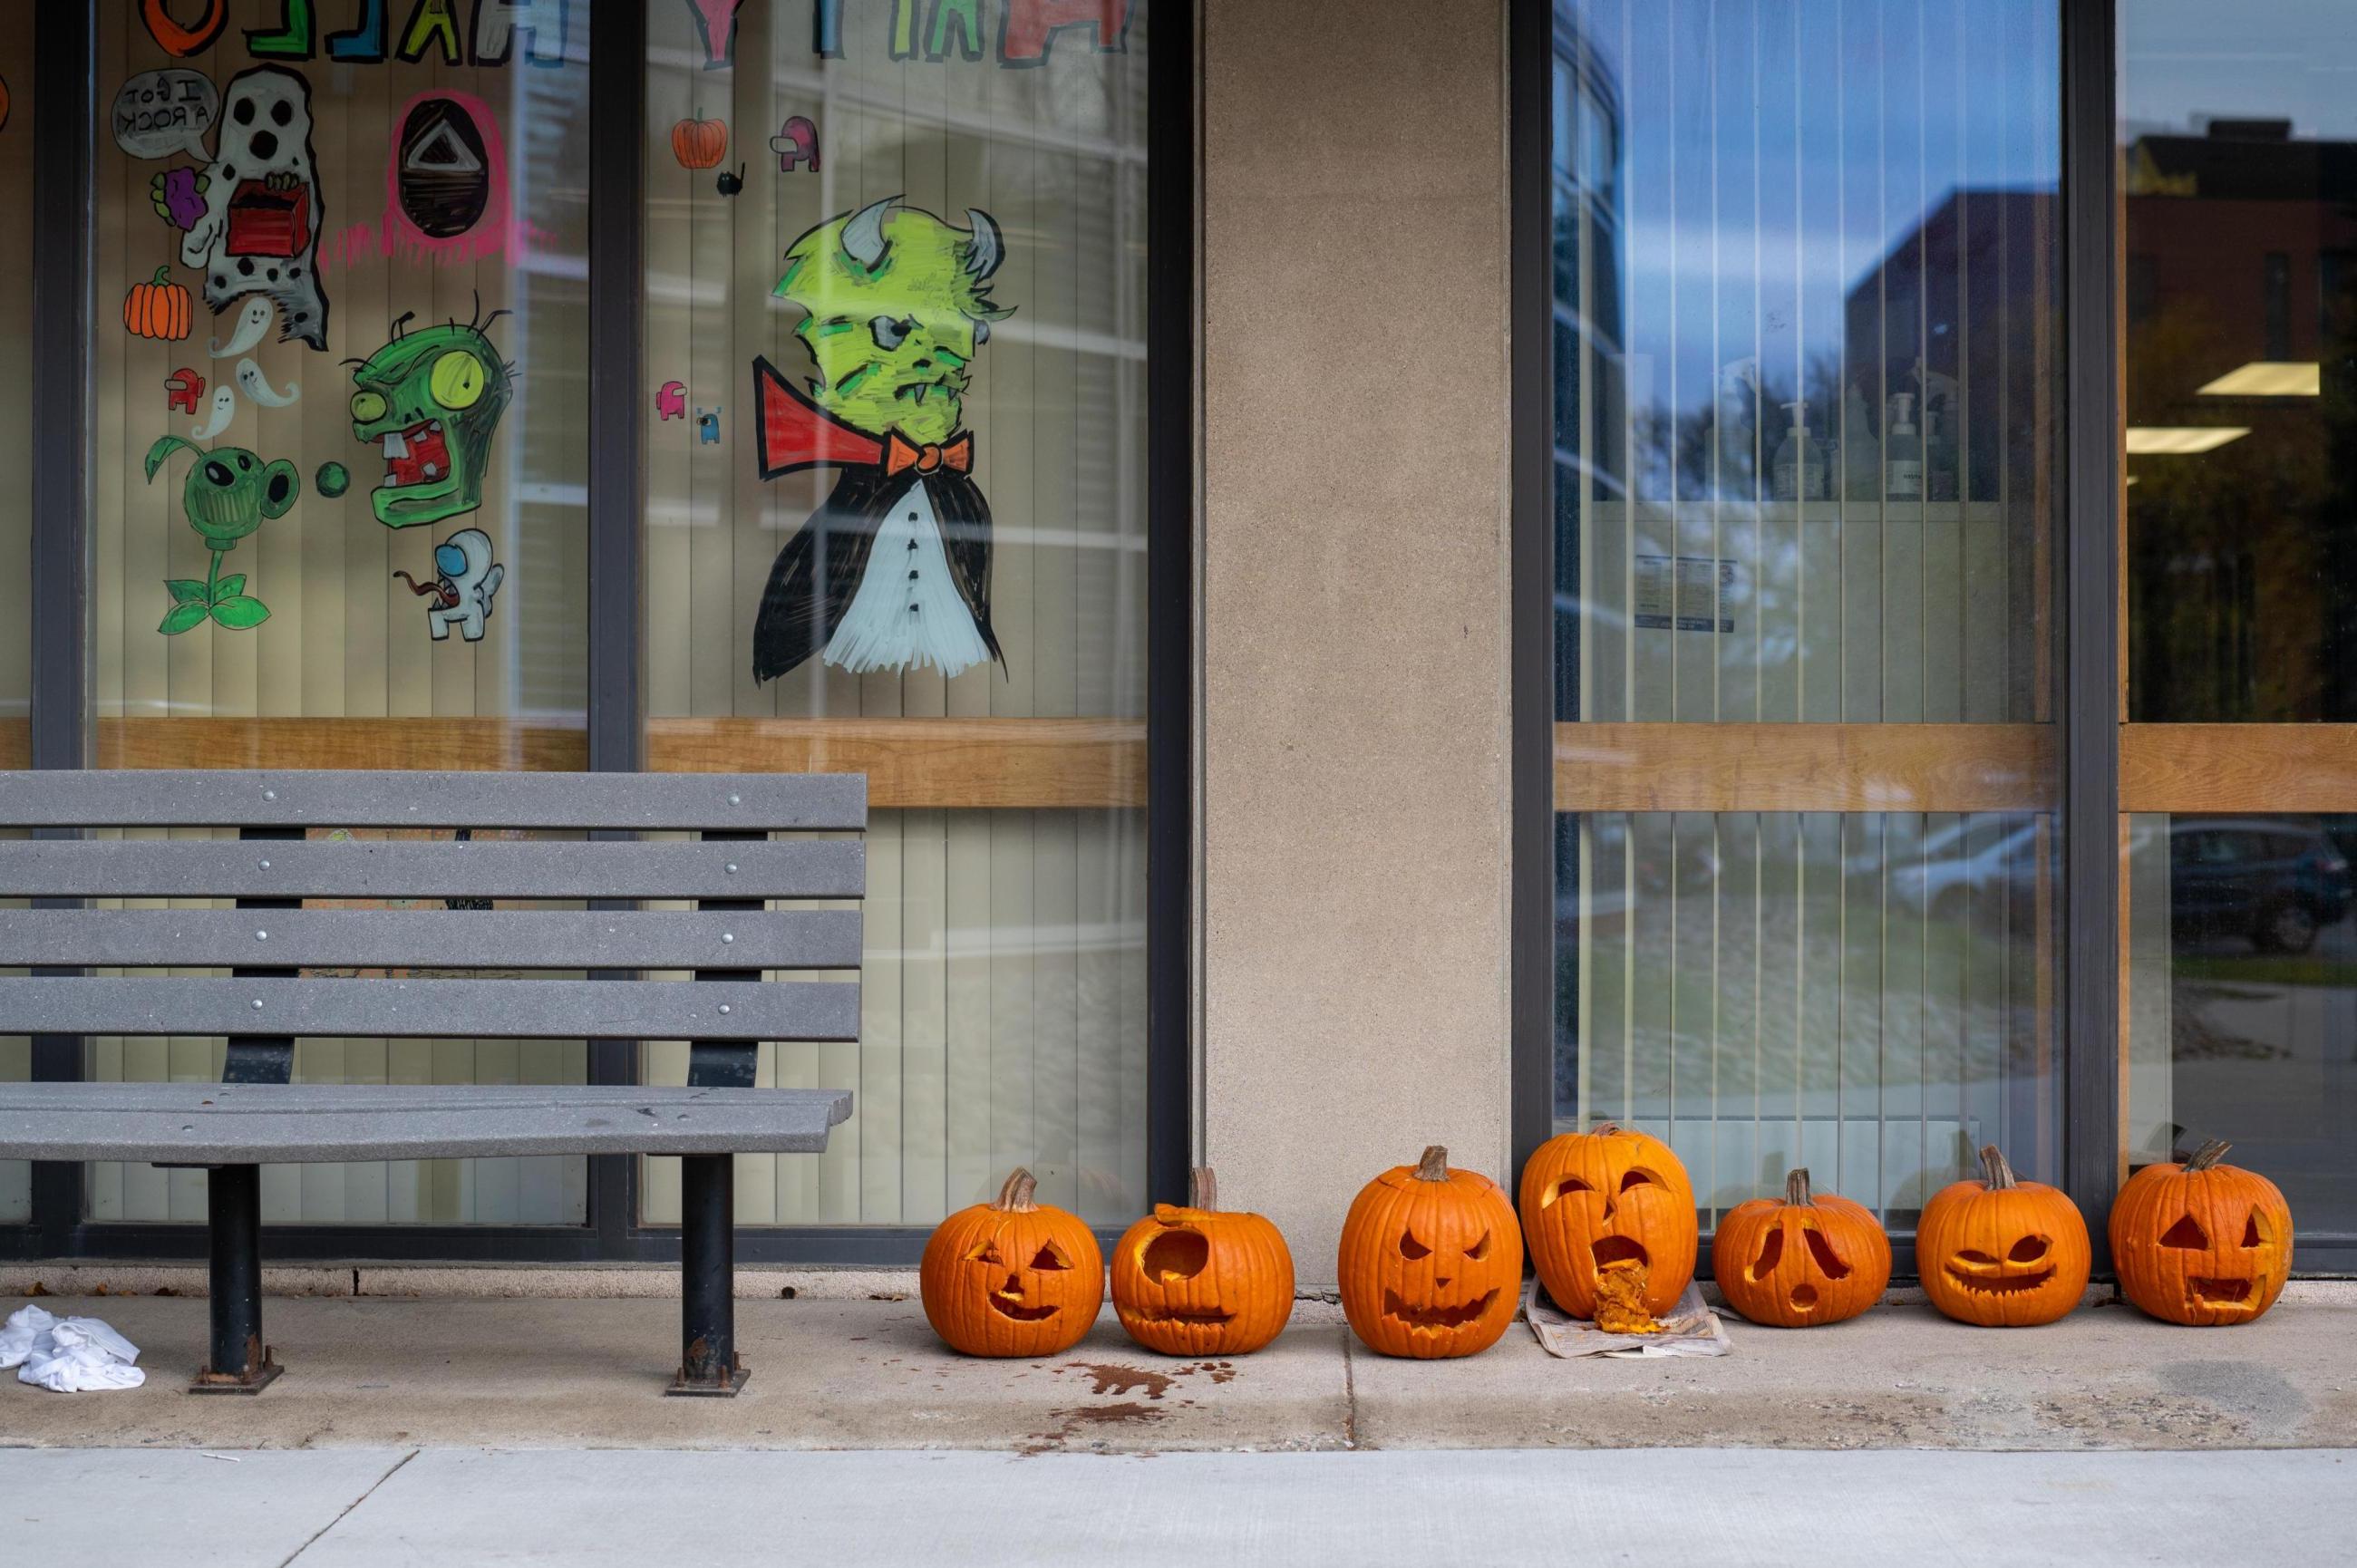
(453, 745)
(1805, 768)
(991, 764)
(2238, 768)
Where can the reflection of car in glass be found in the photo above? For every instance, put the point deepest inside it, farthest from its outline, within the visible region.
(2276, 880)
(1946, 871)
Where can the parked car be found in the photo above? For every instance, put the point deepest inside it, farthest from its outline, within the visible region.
(2277, 880)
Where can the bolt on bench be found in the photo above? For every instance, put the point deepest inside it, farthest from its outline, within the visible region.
(257, 1116)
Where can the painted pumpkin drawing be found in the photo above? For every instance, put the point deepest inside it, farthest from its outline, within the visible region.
(2001, 1252)
(1201, 1282)
(157, 308)
(2205, 1244)
(1814, 1258)
(1431, 1263)
(1012, 1277)
(1610, 1216)
(699, 144)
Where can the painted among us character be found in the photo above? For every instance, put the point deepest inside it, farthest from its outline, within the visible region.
(461, 591)
(893, 570)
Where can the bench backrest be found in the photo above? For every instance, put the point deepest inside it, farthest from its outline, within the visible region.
(268, 940)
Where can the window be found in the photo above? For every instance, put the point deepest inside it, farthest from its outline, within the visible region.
(896, 312)
(15, 473)
(1807, 414)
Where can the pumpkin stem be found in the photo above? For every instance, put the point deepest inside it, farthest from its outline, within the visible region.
(1796, 1188)
(1015, 1197)
(1434, 1166)
(1604, 1129)
(162, 275)
(1202, 1188)
(1994, 1167)
(2208, 1154)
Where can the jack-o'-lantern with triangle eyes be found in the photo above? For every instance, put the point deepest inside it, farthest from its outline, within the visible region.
(2203, 1243)
(2001, 1252)
(1814, 1258)
(1200, 1281)
(1431, 1263)
(1610, 1212)
(1014, 1277)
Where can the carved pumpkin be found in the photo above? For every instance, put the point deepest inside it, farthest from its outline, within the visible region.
(1814, 1258)
(1198, 1282)
(1611, 1202)
(699, 144)
(2001, 1252)
(1431, 1261)
(2202, 1243)
(157, 308)
(1012, 1277)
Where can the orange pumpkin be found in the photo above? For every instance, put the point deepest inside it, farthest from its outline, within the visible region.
(2001, 1252)
(1012, 1277)
(2202, 1243)
(1609, 1201)
(1198, 1282)
(699, 144)
(1431, 1261)
(1814, 1258)
(157, 308)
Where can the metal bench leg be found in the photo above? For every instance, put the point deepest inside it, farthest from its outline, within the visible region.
(707, 1270)
(239, 1363)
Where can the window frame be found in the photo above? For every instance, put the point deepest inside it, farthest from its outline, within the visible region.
(64, 124)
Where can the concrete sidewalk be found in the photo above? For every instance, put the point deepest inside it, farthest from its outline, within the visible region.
(1731, 1508)
(376, 1372)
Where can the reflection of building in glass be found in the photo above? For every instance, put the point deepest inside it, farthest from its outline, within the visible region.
(2241, 304)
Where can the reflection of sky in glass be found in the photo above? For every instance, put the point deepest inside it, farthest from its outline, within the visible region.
(2184, 63)
(1801, 191)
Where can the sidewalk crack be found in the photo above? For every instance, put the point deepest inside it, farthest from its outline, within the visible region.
(345, 1511)
(1349, 1398)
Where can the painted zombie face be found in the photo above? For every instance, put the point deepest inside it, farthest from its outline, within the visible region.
(897, 309)
(430, 401)
(259, 232)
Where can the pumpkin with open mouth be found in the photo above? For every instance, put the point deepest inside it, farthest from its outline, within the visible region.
(2001, 1252)
(1814, 1258)
(1013, 1277)
(2203, 1243)
(1199, 1282)
(1612, 1208)
(1431, 1261)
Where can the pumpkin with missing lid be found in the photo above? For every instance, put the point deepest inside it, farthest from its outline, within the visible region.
(2001, 1252)
(1013, 1277)
(1199, 1281)
(1814, 1258)
(2203, 1243)
(1613, 1208)
(1431, 1261)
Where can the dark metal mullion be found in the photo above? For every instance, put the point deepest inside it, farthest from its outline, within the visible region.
(1171, 358)
(64, 110)
(2091, 715)
(617, 38)
(1532, 823)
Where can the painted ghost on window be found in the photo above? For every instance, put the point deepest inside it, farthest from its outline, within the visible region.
(258, 232)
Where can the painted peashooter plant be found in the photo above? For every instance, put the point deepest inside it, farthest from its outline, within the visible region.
(227, 495)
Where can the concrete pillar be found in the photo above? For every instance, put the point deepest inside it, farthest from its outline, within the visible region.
(1354, 627)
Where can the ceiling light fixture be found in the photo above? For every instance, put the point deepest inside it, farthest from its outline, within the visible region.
(2180, 441)
(2269, 377)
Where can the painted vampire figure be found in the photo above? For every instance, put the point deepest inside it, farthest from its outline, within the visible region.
(893, 570)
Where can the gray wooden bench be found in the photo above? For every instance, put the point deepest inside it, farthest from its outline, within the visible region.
(266, 1001)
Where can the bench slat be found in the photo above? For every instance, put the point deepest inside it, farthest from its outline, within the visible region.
(205, 1123)
(640, 802)
(403, 939)
(380, 868)
(435, 1009)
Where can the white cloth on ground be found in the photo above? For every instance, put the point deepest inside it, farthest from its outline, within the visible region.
(68, 1354)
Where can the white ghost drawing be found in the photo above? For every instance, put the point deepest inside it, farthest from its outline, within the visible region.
(257, 386)
(264, 211)
(251, 323)
(224, 406)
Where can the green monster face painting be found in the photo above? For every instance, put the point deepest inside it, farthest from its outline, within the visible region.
(895, 304)
(228, 494)
(431, 400)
